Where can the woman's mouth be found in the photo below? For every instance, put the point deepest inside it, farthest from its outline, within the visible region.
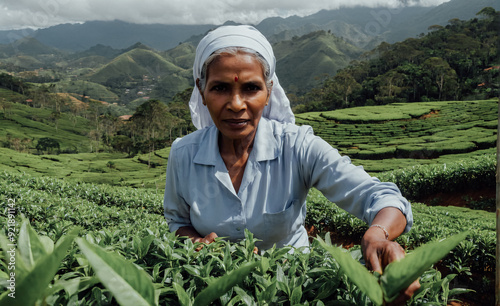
(236, 123)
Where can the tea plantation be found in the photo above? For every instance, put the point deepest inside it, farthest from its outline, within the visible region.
(403, 134)
(82, 243)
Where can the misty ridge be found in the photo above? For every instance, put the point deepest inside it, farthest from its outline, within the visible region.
(363, 27)
(125, 63)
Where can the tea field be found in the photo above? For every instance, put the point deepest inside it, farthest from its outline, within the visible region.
(380, 138)
(123, 248)
(89, 228)
(393, 136)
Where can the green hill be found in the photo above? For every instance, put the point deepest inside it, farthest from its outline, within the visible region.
(31, 124)
(89, 89)
(302, 63)
(183, 55)
(27, 46)
(135, 64)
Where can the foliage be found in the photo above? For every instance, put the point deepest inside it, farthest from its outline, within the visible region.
(419, 182)
(397, 275)
(158, 268)
(424, 131)
(459, 61)
(47, 144)
(129, 222)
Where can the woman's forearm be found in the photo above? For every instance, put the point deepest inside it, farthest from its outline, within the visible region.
(390, 218)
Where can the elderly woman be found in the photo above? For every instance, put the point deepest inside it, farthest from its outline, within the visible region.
(250, 167)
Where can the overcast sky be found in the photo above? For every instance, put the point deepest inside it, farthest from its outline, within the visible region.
(17, 14)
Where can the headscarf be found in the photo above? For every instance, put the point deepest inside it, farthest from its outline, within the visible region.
(244, 36)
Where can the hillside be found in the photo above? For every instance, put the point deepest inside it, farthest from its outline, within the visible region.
(457, 62)
(303, 62)
(380, 138)
(439, 15)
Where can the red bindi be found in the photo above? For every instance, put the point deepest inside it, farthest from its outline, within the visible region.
(236, 78)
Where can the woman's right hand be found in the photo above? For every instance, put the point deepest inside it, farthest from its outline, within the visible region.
(190, 232)
(206, 240)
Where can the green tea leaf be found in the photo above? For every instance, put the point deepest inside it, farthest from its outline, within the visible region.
(30, 246)
(296, 295)
(218, 287)
(400, 274)
(357, 273)
(32, 286)
(182, 295)
(270, 292)
(244, 296)
(129, 285)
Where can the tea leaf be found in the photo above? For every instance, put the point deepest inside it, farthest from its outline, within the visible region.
(129, 285)
(30, 246)
(357, 273)
(182, 295)
(218, 287)
(400, 274)
(32, 286)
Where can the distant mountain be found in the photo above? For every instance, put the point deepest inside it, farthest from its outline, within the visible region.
(357, 25)
(304, 62)
(439, 15)
(367, 27)
(361, 26)
(27, 46)
(116, 34)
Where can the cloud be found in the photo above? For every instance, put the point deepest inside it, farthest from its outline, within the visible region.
(45, 13)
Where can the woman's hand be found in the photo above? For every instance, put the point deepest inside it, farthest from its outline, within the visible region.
(190, 232)
(206, 240)
(378, 252)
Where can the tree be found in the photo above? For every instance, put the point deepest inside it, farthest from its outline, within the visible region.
(122, 143)
(441, 73)
(55, 116)
(5, 106)
(47, 144)
(390, 85)
(487, 12)
(109, 126)
(345, 85)
(149, 121)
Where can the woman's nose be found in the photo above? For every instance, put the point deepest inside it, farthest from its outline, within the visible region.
(237, 103)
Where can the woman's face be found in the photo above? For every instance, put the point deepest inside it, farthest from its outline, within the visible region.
(235, 95)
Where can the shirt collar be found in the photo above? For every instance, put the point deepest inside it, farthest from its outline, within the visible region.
(265, 146)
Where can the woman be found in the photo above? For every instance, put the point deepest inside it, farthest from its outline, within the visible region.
(249, 166)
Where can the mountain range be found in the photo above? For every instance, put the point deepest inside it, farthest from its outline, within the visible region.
(156, 60)
(361, 26)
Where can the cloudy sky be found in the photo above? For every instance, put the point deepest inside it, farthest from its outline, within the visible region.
(17, 14)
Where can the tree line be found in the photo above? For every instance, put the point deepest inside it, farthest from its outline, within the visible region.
(154, 124)
(456, 62)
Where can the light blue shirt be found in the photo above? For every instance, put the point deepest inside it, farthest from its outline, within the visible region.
(285, 162)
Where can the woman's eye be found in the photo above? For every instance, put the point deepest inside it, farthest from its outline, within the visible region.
(219, 88)
(253, 87)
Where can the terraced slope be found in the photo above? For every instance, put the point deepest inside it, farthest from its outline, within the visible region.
(428, 131)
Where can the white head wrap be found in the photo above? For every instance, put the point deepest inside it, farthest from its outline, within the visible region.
(246, 37)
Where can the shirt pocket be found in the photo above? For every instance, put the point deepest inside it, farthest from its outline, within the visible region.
(280, 225)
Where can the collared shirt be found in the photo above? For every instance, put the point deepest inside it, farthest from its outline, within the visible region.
(285, 162)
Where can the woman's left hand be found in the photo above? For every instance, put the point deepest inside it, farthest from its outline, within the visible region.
(378, 252)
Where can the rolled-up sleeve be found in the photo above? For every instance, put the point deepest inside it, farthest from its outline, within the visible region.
(349, 186)
(175, 209)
